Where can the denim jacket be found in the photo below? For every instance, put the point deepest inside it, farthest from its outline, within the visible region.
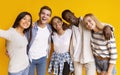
(34, 33)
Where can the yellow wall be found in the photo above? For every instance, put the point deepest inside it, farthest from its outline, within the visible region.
(106, 10)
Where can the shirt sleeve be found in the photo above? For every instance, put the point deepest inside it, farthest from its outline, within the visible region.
(112, 49)
(5, 34)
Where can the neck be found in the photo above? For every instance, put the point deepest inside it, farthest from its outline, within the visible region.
(42, 25)
(60, 32)
(96, 29)
(77, 22)
(20, 30)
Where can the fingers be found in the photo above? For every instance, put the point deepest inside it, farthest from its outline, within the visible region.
(107, 32)
(108, 36)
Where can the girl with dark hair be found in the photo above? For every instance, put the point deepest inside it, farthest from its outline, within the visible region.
(61, 61)
(17, 44)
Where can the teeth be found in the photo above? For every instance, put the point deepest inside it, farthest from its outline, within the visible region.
(43, 18)
(25, 24)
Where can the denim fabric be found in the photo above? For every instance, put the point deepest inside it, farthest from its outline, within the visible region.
(102, 65)
(114, 71)
(23, 72)
(40, 65)
(34, 33)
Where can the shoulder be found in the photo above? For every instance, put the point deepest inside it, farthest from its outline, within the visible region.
(11, 30)
(8, 30)
(80, 18)
(54, 34)
(34, 24)
(68, 30)
(107, 24)
(49, 27)
(74, 28)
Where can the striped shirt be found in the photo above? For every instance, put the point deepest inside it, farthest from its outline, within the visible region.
(104, 48)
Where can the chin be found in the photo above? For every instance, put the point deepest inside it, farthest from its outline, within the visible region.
(26, 27)
(44, 22)
(89, 28)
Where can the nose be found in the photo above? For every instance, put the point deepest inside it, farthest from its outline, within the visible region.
(44, 15)
(57, 24)
(27, 21)
(88, 24)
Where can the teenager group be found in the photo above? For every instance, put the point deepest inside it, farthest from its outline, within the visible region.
(85, 42)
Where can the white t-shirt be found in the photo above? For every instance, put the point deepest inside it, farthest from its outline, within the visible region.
(62, 42)
(16, 47)
(40, 45)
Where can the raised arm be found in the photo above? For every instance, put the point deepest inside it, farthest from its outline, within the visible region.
(4, 34)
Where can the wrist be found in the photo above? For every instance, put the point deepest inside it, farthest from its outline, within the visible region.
(109, 71)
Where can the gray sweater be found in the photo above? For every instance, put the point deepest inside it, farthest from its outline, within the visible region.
(16, 47)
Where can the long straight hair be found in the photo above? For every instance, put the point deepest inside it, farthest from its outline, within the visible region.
(98, 23)
(19, 17)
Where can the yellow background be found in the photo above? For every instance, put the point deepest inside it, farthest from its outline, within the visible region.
(106, 10)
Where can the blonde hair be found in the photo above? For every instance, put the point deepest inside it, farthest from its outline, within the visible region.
(98, 23)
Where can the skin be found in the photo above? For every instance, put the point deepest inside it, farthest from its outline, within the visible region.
(57, 24)
(71, 18)
(91, 25)
(44, 17)
(23, 24)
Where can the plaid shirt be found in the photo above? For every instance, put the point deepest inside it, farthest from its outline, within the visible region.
(57, 63)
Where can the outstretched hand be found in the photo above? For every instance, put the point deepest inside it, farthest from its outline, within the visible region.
(107, 31)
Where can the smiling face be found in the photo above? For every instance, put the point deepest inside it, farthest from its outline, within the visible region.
(57, 24)
(25, 22)
(89, 23)
(70, 18)
(44, 16)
